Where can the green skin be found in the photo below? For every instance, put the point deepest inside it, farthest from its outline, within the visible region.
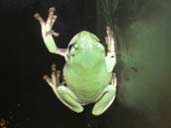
(87, 72)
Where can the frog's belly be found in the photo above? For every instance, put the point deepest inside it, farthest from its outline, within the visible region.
(87, 86)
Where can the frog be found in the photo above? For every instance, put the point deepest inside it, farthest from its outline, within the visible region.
(88, 76)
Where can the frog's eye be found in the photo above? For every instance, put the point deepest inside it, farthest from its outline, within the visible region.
(73, 45)
(70, 46)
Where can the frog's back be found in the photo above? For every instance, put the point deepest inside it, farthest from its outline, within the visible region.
(87, 84)
(85, 71)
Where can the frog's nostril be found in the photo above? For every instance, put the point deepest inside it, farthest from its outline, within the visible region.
(76, 47)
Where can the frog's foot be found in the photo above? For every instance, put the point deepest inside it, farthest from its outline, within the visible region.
(111, 54)
(47, 26)
(68, 98)
(106, 98)
(55, 77)
(64, 94)
(48, 32)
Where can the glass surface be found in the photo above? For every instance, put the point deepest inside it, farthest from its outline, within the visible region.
(142, 30)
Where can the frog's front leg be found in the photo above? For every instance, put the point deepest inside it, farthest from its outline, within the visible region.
(106, 98)
(64, 94)
(47, 32)
(111, 53)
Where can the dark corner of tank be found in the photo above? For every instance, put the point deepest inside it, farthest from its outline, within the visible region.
(142, 30)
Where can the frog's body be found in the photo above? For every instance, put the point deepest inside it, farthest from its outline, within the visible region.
(88, 69)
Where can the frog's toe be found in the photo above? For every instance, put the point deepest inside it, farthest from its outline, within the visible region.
(51, 9)
(48, 80)
(39, 18)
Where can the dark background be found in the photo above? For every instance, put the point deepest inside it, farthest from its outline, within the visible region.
(143, 99)
(26, 99)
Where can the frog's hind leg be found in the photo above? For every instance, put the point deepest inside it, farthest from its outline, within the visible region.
(111, 53)
(106, 98)
(64, 94)
(68, 98)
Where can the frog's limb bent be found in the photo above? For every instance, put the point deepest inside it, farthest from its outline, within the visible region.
(106, 98)
(55, 77)
(47, 32)
(111, 53)
(68, 98)
(64, 94)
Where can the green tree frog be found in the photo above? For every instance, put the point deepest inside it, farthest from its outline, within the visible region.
(88, 76)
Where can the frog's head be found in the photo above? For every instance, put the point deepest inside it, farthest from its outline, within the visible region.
(85, 46)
